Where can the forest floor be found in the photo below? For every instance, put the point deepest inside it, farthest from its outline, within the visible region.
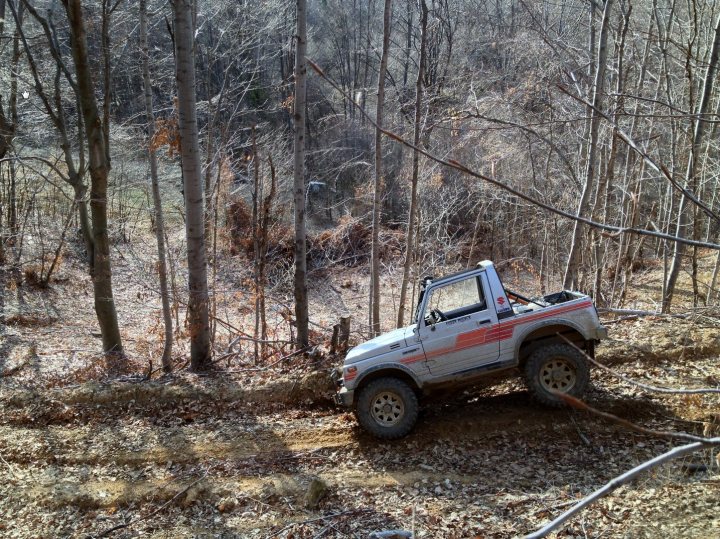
(89, 449)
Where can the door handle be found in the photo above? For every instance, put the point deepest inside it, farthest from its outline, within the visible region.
(482, 322)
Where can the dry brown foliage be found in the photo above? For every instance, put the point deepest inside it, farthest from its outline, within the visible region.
(166, 134)
(347, 244)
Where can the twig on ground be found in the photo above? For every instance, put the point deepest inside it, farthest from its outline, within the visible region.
(584, 438)
(283, 358)
(12, 471)
(621, 319)
(14, 370)
(697, 443)
(615, 483)
(242, 336)
(636, 313)
(308, 521)
(226, 356)
(158, 369)
(656, 389)
(321, 532)
(162, 507)
(556, 506)
(580, 405)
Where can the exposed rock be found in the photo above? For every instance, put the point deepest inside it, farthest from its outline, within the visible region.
(391, 534)
(316, 491)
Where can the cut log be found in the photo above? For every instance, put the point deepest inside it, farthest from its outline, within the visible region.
(344, 333)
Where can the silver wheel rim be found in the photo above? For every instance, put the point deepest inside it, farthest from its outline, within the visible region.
(387, 408)
(558, 375)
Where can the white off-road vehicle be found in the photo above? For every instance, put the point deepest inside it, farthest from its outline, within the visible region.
(466, 327)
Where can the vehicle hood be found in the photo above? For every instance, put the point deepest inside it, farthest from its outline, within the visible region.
(385, 343)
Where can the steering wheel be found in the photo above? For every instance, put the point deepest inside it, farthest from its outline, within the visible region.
(438, 316)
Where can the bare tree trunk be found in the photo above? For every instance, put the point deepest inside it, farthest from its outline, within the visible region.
(107, 88)
(409, 236)
(99, 168)
(377, 197)
(2, 17)
(55, 110)
(256, 196)
(301, 299)
(608, 179)
(198, 316)
(571, 271)
(692, 168)
(6, 130)
(264, 230)
(155, 187)
(630, 161)
(45, 279)
(12, 197)
(2, 236)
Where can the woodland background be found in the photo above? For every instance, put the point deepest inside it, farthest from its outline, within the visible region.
(178, 188)
(608, 111)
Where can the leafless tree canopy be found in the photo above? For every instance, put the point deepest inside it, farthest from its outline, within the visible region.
(201, 170)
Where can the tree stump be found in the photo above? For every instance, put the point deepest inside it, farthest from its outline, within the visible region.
(344, 332)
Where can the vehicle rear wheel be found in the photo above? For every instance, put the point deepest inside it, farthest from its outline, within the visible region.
(556, 368)
(387, 408)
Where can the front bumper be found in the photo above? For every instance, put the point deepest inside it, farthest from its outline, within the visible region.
(344, 397)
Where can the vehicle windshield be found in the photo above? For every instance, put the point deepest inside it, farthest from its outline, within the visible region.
(455, 299)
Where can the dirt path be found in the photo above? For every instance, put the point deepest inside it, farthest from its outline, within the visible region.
(489, 464)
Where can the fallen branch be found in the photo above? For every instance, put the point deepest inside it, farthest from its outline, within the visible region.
(12, 371)
(584, 438)
(656, 389)
(616, 483)
(308, 521)
(697, 443)
(634, 313)
(580, 405)
(163, 506)
(283, 358)
(12, 471)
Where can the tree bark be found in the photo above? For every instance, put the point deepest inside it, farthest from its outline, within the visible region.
(4, 143)
(301, 299)
(571, 271)
(198, 316)
(377, 196)
(14, 62)
(692, 167)
(2, 17)
(607, 181)
(107, 88)
(155, 187)
(410, 232)
(99, 168)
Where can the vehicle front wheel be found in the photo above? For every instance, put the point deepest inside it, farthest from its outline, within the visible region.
(556, 368)
(387, 408)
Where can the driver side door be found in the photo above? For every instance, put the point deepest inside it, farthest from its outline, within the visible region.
(461, 341)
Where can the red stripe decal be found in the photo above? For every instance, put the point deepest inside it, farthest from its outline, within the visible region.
(487, 335)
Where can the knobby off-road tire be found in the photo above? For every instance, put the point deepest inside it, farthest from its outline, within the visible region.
(558, 367)
(387, 408)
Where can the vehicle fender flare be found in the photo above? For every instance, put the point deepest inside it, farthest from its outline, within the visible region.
(403, 371)
(545, 323)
